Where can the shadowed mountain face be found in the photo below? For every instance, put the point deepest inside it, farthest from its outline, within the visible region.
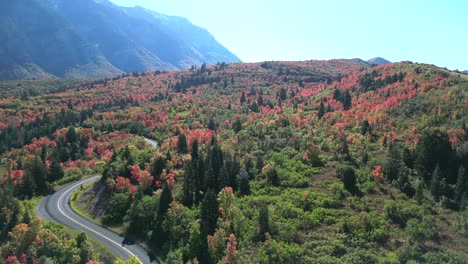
(91, 38)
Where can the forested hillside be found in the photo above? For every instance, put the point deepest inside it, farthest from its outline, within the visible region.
(276, 162)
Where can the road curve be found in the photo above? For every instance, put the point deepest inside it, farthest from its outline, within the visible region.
(56, 207)
(153, 143)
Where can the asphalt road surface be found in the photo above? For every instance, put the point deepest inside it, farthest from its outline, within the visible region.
(153, 143)
(56, 207)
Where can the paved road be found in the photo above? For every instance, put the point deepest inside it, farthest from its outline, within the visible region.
(56, 207)
(153, 143)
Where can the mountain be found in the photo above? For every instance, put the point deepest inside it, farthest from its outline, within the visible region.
(279, 162)
(92, 38)
(465, 72)
(378, 61)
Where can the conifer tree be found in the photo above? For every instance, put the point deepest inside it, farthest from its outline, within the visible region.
(209, 213)
(55, 171)
(264, 222)
(436, 183)
(182, 143)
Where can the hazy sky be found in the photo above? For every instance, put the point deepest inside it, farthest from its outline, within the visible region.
(426, 31)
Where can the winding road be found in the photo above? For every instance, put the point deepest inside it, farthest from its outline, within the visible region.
(153, 143)
(56, 207)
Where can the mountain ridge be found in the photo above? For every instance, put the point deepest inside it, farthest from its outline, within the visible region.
(90, 38)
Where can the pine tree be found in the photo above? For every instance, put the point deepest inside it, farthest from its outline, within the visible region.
(71, 135)
(159, 234)
(237, 125)
(157, 167)
(242, 99)
(194, 149)
(224, 178)
(244, 186)
(200, 187)
(260, 100)
(408, 158)
(282, 94)
(182, 143)
(188, 188)
(272, 177)
(212, 124)
(209, 213)
(43, 154)
(337, 94)
(347, 100)
(420, 192)
(365, 127)
(264, 224)
(321, 110)
(436, 183)
(38, 171)
(254, 107)
(461, 186)
(55, 171)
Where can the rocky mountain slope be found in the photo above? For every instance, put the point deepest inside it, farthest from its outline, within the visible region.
(92, 38)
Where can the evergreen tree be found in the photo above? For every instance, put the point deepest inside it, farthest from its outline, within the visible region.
(194, 150)
(272, 177)
(244, 185)
(365, 127)
(43, 154)
(200, 187)
(224, 178)
(210, 182)
(55, 171)
(37, 172)
(159, 234)
(212, 124)
(260, 100)
(209, 213)
(71, 135)
(408, 158)
(282, 94)
(182, 143)
(337, 94)
(434, 148)
(189, 186)
(264, 224)
(420, 192)
(321, 110)
(74, 152)
(348, 176)
(436, 183)
(237, 125)
(165, 200)
(259, 164)
(157, 166)
(347, 100)
(254, 107)
(242, 99)
(461, 186)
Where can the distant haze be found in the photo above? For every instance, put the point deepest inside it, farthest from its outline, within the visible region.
(434, 32)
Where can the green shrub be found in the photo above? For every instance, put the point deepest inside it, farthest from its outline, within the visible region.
(400, 212)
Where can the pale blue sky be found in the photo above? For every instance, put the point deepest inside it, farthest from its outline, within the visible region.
(427, 31)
